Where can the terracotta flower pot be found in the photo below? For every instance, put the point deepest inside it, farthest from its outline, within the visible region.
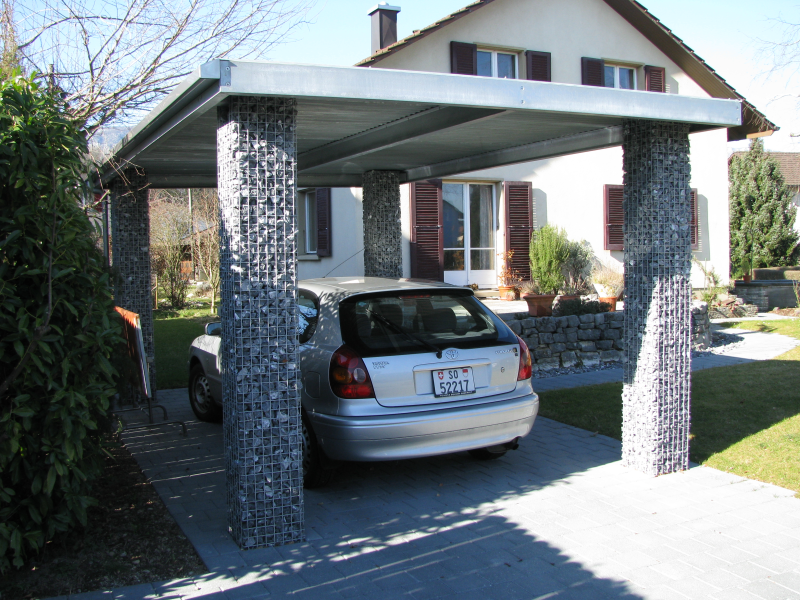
(747, 278)
(508, 292)
(539, 305)
(612, 300)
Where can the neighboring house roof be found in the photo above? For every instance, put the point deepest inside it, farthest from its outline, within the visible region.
(753, 121)
(789, 163)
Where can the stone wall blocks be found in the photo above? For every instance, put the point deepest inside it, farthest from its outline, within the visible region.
(559, 338)
(573, 321)
(610, 356)
(545, 338)
(585, 326)
(546, 325)
(589, 334)
(589, 359)
(600, 319)
(586, 318)
(571, 346)
(532, 341)
(587, 346)
(612, 334)
(572, 337)
(548, 364)
(529, 323)
(604, 344)
(562, 322)
(515, 326)
(558, 348)
(542, 353)
(569, 359)
(619, 345)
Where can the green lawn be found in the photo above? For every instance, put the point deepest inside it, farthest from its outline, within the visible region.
(174, 331)
(745, 418)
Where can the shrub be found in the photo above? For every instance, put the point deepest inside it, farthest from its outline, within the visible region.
(549, 252)
(762, 214)
(56, 331)
(579, 306)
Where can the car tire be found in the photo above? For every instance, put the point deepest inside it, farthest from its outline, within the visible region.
(203, 404)
(318, 471)
(489, 453)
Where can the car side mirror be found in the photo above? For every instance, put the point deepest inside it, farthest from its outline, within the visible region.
(214, 328)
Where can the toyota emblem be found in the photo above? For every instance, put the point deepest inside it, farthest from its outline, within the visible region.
(451, 354)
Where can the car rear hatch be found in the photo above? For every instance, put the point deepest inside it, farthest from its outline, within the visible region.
(430, 347)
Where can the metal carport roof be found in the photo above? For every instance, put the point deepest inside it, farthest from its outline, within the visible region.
(352, 120)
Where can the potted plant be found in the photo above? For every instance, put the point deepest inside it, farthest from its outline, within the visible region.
(747, 276)
(508, 279)
(539, 305)
(609, 282)
(548, 253)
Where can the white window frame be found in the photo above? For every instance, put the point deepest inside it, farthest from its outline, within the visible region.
(494, 54)
(455, 276)
(305, 228)
(616, 68)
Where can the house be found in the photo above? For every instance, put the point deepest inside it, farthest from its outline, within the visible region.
(454, 228)
(790, 169)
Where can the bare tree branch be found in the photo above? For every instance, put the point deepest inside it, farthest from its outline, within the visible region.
(114, 59)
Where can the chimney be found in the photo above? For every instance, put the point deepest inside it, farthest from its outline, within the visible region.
(384, 26)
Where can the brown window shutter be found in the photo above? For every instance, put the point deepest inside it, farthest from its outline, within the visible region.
(519, 225)
(593, 71)
(655, 79)
(323, 196)
(614, 216)
(427, 241)
(463, 58)
(537, 65)
(694, 222)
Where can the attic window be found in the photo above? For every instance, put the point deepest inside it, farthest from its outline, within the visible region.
(497, 64)
(623, 78)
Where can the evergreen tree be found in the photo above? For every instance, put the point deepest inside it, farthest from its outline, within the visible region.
(762, 213)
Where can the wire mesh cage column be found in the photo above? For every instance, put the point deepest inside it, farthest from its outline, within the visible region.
(657, 332)
(256, 146)
(130, 240)
(383, 250)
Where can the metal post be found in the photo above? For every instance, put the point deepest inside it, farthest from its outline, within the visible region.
(257, 162)
(383, 250)
(657, 333)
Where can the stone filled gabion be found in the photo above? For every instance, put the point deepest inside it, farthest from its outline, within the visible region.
(383, 250)
(257, 154)
(130, 252)
(655, 427)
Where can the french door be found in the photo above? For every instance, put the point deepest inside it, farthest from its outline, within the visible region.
(468, 223)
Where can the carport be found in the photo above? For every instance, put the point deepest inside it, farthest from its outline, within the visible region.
(257, 131)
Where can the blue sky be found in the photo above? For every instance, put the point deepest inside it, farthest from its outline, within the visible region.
(725, 33)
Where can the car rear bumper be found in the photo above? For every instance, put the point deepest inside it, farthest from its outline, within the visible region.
(425, 433)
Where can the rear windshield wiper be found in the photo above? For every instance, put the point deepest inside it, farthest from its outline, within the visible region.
(402, 331)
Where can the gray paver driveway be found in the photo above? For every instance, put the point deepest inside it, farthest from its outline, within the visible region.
(559, 518)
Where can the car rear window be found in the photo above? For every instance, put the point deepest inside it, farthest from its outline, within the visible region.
(387, 322)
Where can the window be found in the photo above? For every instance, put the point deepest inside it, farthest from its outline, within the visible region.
(468, 223)
(623, 78)
(497, 64)
(313, 222)
(310, 200)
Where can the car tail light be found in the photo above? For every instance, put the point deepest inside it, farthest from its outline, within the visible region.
(525, 368)
(348, 375)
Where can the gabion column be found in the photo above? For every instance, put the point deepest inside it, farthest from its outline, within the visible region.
(256, 157)
(383, 250)
(130, 240)
(655, 396)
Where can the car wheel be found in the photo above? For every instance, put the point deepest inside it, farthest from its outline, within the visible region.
(317, 470)
(203, 404)
(489, 453)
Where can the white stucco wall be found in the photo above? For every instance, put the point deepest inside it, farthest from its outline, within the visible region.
(568, 29)
(347, 257)
(568, 191)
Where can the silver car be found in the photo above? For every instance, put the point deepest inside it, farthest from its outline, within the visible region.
(393, 369)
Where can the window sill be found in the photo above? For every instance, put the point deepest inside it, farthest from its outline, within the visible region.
(307, 257)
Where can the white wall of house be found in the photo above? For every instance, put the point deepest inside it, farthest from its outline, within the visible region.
(347, 257)
(567, 191)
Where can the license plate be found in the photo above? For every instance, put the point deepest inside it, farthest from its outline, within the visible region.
(453, 382)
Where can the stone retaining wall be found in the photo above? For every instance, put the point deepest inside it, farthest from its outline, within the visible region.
(767, 294)
(588, 340)
(585, 340)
